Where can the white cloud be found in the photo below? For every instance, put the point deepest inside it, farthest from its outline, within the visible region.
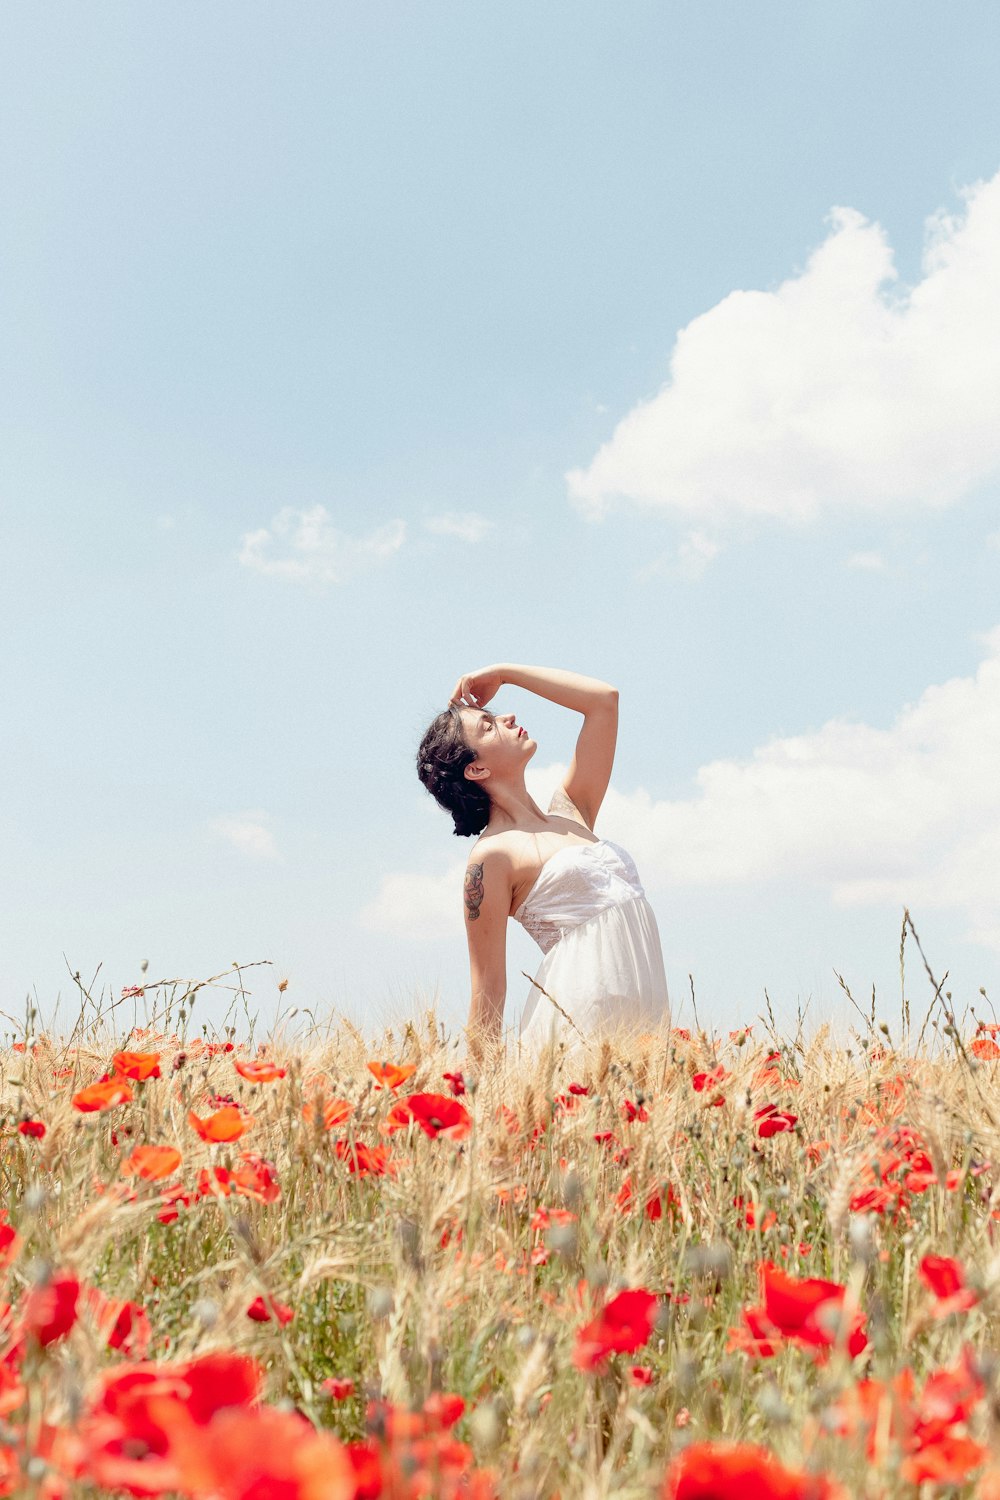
(867, 562)
(310, 548)
(834, 391)
(908, 815)
(690, 561)
(248, 832)
(418, 906)
(659, 566)
(695, 553)
(466, 525)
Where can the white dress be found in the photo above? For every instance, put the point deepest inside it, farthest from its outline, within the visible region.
(588, 913)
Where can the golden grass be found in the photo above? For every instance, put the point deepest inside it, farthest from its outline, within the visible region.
(434, 1278)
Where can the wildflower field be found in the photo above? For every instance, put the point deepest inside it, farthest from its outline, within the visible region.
(751, 1266)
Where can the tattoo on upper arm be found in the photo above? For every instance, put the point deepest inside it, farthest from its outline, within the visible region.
(474, 891)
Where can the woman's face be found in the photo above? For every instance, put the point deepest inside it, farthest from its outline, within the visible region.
(499, 742)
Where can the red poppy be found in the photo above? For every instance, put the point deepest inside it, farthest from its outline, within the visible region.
(137, 1065)
(925, 1426)
(214, 1183)
(948, 1459)
(795, 1306)
(263, 1312)
(336, 1111)
(337, 1388)
(622, 1326)
(772, 1121)
(985, 1049)
(12, 1396)
(124, 1325)
(654, 1204)
(702, 1081)
(888, 1104)
(221, 1380)
(365, 1160)
(437, 1415)
(170, 1198)
(442, 1409)
(48, 1311)
(145, 1420)
(436, 1114)
(33, 1128)
(256, 1178)
(951, 1395)
(323, 1113)
(946, 1279)
(805, 1311)
(152, 1162)
(766, 1221)
(641, 1374)
(392, 1074)
(456, 1083)
(260, 1072)
(129, 1330)
(10, 1240)
(226, 1124)
(103, 1095)
(632, 1111)
(249, 1453)
(741, 1471)
(544, 1218)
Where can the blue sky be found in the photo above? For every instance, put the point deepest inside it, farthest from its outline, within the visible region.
(350, 348)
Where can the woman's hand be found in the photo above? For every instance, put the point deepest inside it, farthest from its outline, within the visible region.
(475, 689)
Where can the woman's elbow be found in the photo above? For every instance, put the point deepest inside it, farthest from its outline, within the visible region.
(487, 1008)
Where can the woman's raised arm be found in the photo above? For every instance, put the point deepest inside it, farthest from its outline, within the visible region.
(568, 689)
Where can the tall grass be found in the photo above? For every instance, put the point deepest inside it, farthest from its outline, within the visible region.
(472, 1263)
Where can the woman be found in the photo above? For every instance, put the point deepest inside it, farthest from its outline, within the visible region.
(578, 895)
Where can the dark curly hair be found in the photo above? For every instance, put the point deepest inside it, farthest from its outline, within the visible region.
(441, 762)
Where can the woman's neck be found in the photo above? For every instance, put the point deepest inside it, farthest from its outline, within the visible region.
(513, 807)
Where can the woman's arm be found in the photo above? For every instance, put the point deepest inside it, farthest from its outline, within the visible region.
(568, 689)
(487, 896)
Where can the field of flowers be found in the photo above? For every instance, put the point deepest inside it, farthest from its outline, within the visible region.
(748, 1267)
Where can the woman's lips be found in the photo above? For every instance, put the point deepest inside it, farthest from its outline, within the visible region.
(522, 730)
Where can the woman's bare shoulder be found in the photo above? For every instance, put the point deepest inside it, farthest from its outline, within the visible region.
(519, 846)
(499, 848)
